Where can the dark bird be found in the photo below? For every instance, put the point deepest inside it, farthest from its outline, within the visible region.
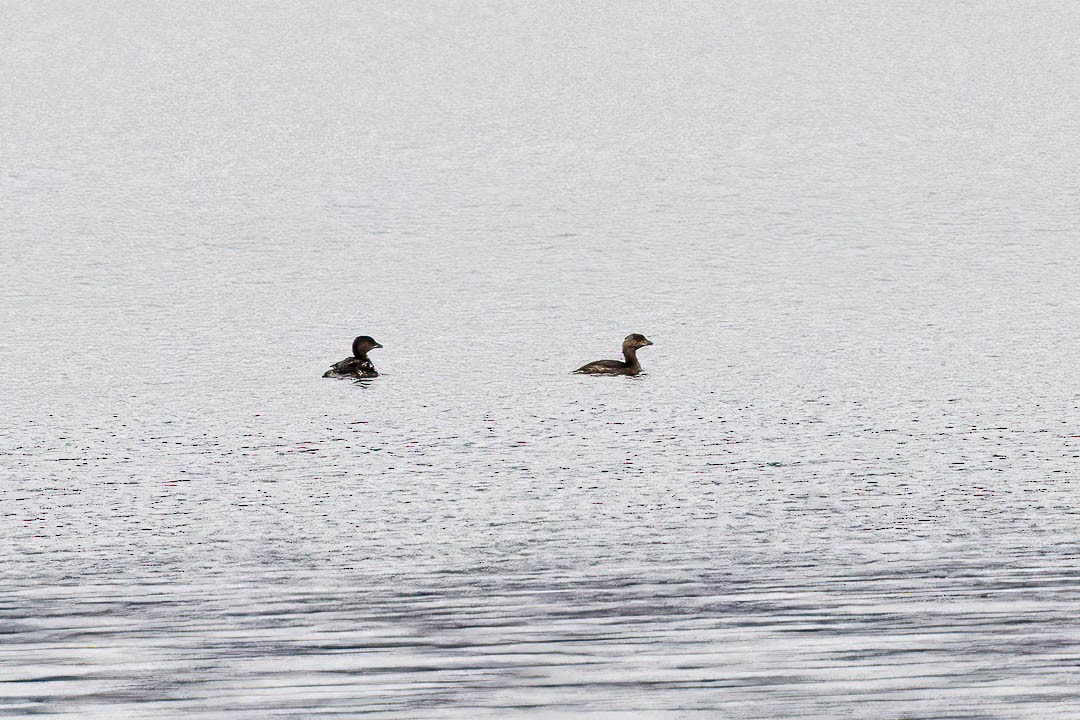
(629, 366)
(357, 366)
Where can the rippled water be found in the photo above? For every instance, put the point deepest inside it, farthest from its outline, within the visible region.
(846, 486)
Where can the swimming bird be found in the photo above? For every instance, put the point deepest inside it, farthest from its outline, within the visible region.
(357, 366)
(630, 366)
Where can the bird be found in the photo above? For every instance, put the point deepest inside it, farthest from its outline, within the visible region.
(358, 365)
(629, 366)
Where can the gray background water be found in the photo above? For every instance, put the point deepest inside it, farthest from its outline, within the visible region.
(846, 486)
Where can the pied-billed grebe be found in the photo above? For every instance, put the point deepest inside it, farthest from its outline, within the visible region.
(357, 366)
(630, 366)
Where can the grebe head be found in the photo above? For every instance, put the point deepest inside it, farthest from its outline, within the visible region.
(636, 340)
(362, 344)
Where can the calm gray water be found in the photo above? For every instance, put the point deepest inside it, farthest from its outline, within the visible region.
(846, 486)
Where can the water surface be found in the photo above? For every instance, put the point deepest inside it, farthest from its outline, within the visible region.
(845, 486)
